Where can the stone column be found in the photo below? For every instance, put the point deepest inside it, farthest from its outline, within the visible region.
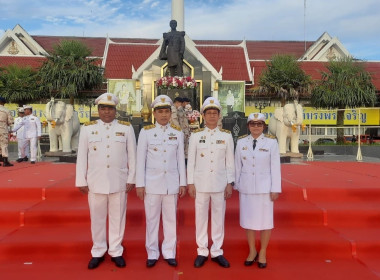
(178, 13)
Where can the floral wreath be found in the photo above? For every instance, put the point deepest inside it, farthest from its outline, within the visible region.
(176, 83)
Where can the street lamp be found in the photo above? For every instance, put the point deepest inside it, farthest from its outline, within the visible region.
(261, 103)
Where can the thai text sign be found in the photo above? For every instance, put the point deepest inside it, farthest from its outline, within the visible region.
(367, 116)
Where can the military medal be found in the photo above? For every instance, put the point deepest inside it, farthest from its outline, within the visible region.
(245, 148)
(120, 134)
(220, 142)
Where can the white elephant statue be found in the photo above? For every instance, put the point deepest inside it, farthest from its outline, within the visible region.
(64, 126)
(286, 124)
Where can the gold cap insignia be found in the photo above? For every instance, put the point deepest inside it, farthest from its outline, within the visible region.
(162, 99)
(256, 115)
(109, 97)
(212, 101)
(176, 94)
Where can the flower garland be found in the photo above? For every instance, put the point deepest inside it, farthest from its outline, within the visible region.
(191, 115)
(176, 83)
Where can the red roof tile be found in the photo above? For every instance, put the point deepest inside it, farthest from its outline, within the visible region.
(259, 50)
(34, 62)
(120, 59)
(232, 60)
(97, 45)
(374, 69)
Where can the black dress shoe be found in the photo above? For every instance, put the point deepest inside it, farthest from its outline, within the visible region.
(119, 261)
(249, 263)
(32, 162)
(94, 262)
(221, 261)
(20, 160)
(150, 262)
(25, 159)
(171, 262)
(200, 261)
(262, 265)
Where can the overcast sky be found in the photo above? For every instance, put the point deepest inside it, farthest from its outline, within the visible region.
(356, 23)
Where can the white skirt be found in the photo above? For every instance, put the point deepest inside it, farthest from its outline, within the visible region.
(256, 211)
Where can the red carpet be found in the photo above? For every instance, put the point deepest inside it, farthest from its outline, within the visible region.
(327, 226)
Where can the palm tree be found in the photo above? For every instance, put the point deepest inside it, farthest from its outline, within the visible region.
(284, 78)
(19, 84)
(68, 71)
(346, 85)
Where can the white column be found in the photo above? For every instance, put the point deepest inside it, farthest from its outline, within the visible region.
(178, 13)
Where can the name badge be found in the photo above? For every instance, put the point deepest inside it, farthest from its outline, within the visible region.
(220, 142)
(263, 150)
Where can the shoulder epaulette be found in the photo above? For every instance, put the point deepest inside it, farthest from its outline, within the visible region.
(198, 130)
(225, 130)
(90, 123)
(124, 123)
(243, 136)
(175, 127)
(270, 136)
(149, 126)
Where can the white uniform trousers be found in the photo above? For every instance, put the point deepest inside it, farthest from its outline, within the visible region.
(33, 147)
(154, 205)
(23, 148)
(115, 205)
(218, 210)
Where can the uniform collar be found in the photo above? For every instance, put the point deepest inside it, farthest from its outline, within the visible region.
(163, 127)
(211, 130)
(106, 124)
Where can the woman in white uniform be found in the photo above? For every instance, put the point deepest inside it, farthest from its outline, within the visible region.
(258, 180)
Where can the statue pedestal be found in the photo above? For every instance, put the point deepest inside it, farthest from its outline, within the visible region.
(57, 154)
(293, 155)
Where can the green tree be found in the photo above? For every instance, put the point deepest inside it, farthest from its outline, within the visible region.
(68, 71)
(346, 84)
(19, 84)
(284, 78)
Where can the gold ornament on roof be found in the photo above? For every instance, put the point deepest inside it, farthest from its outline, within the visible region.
(13, 48)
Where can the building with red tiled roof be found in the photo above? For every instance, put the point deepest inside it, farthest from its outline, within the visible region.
(210, 62)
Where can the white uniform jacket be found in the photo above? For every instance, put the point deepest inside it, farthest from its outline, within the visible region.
(161, 159)
(106, 159)
(32, 126)
(20, 133)
(257, 171)
(210, 162)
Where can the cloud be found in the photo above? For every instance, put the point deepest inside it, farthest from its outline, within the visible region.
(355, 23)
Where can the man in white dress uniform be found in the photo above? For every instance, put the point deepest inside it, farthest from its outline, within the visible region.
(160, 179)
(210, 175)
(32, 132)
(23, 148)
(258, 180)
(106, 171)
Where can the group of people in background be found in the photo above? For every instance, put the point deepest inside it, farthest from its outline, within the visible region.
(110, 165)
(28, 131)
